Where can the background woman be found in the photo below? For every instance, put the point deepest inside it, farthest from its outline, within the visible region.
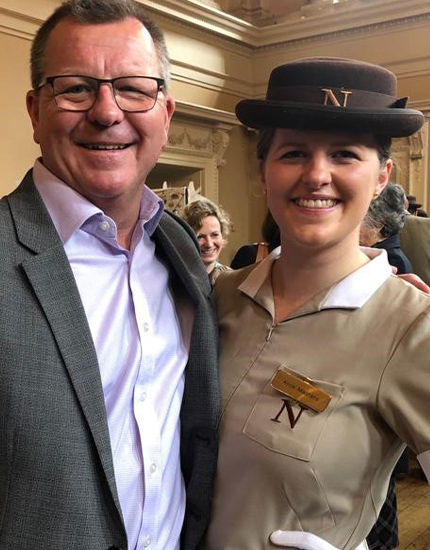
(324, 354)
(211, 224)
(383, 223)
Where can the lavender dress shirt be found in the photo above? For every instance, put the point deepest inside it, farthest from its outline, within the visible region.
(142, 351)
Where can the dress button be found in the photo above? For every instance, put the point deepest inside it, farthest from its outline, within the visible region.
(147, 542)
(104, 226)
(153, 468)
(145, 327)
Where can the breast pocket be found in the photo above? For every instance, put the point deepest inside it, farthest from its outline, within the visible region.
(283, 426)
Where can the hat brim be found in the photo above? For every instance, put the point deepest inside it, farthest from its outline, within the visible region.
(393, 122)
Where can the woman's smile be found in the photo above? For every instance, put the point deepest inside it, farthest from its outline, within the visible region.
(320, 184)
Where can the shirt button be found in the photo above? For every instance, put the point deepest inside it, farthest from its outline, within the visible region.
(147, 542)
(104, 226)
(153, 468)
(143, 396)
(145, 327)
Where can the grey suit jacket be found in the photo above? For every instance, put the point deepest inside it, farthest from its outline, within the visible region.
(57, 485)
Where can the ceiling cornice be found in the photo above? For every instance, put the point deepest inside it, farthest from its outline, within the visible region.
(360, 16)
(364, 17)
(209, 19)
(339, 20)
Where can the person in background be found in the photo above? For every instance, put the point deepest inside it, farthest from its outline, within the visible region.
(323, 352)
(211, 224)
(383, 223)
(255, 252)
(415, 242)
(108, 342)
(381, 228)
(412, 205)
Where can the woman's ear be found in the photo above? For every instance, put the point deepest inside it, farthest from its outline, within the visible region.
(384, 177)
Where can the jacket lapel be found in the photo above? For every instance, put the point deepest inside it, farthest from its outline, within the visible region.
(188, 267)
(52, 280)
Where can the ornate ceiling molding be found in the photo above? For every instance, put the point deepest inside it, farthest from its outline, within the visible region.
(316, 31)
(341, 19)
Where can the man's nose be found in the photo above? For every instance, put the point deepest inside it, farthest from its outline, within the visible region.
(105, 110)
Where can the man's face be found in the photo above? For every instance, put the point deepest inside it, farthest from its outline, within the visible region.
(105, 154)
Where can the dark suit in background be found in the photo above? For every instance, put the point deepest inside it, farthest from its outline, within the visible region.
(396, 256)
(415, 242)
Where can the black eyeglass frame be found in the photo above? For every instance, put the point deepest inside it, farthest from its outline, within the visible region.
(161, 84)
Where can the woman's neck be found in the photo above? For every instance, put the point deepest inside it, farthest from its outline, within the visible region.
(210, 267)
(299, 274)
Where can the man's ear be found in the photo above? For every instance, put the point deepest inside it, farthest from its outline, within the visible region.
(32, 101)
(170, 106)
(169, 110)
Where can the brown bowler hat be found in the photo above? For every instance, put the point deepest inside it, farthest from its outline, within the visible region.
(330, 93)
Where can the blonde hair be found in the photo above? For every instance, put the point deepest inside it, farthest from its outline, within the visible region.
(195, 212)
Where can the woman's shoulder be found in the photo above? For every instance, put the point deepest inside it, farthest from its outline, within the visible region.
(402, 298)
(217, 270)
(230, 279)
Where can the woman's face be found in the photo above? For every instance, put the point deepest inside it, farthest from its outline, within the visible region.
(210, 241)
(319, 185)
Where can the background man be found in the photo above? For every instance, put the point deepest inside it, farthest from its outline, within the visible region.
(415, 241)
(106, 331)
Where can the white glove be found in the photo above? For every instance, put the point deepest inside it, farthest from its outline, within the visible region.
(300, 540)
(304, 541)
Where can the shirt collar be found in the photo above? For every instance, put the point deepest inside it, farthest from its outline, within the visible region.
(69, 210)
(352, 292)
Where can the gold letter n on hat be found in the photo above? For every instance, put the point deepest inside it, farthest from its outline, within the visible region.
(329, 96)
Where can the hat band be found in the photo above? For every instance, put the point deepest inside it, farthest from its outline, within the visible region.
(335, 97)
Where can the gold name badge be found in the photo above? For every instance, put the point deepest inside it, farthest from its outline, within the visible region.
(301, 391)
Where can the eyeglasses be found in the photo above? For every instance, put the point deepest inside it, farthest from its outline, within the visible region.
(133, 94)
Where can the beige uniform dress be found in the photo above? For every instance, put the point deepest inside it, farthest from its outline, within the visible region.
(365, 342)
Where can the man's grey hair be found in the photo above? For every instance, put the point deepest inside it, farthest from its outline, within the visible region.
(94, 12)
(387, 212)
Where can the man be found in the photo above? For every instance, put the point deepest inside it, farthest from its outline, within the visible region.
(109, 395)
(415, 242)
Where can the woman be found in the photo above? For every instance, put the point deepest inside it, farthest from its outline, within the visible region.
(211, 225)
(383, 223)
(381, 228)
(322, 379)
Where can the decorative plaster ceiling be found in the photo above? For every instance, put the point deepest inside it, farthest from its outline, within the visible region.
(270, 12)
